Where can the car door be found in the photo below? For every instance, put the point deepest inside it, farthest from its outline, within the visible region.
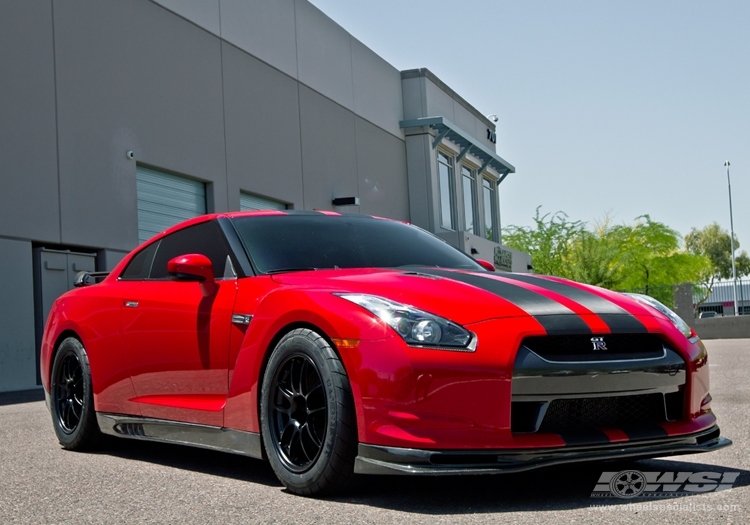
(176, 339)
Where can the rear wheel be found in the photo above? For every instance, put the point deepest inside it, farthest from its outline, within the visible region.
(72, 398)
(307, 415)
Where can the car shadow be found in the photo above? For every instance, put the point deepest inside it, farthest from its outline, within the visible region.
(552, 488)
(194, 459)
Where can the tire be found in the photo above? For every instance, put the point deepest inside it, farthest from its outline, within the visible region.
(72, 398)
(307, 416)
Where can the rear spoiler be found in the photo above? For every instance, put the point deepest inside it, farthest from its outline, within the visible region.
(82, 278)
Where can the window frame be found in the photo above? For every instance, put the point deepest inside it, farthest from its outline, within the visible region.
(472, 178)
(219, 273)
(452, 199)
(494, 207)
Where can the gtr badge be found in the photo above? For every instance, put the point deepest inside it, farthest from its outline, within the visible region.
(598, 343)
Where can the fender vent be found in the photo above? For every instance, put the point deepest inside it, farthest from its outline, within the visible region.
(130, 429)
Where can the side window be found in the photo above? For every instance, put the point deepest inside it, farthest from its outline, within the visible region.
(140, 266)
(205, 238)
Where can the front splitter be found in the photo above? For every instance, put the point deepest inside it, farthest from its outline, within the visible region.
(375, 459)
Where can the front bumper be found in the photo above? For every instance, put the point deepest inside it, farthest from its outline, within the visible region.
(375, 459)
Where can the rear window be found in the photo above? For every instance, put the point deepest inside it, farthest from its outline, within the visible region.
(140, 265)
(315, 241)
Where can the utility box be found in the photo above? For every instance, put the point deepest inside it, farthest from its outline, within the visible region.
(54, 274)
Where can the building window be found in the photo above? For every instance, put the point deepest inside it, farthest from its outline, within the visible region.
(447, 191)
(468, 184)
(250, 202)
(489, 196)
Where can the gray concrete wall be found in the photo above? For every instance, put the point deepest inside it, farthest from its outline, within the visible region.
(722, 327)
(264, 154)
(17, 339)
(296, 38)
(177, 83)
(131, 76)
(382, 183)
(263, 29)
(29, 202)
(329, 154)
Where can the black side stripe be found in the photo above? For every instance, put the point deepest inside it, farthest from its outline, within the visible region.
(618, 319)
(556, 318)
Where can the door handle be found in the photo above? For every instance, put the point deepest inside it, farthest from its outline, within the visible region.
(131, 304)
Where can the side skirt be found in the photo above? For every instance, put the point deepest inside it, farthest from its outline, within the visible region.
(163, 431)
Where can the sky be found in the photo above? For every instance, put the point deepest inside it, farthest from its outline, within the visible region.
(616, 108)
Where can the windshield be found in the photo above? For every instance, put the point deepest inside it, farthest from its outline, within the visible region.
(300, 242)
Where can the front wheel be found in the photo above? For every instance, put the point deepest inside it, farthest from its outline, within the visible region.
(72, 398)
(307, 415)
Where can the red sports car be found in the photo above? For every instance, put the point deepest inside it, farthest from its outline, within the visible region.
(334, 345)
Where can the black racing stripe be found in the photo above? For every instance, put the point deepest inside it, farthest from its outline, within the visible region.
(556, 318)
(617, 318)
(584, 437)
(644, 431)
(565, 324)
(623, 323)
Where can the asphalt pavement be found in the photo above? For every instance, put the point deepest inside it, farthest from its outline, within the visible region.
(133, 482)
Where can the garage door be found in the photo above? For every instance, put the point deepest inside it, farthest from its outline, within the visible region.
(249, 202)
(164, 200)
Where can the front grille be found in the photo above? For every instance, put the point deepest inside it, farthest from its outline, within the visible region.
(584, 348)
(564, 415)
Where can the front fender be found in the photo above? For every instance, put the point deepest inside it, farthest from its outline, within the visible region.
(278, 312)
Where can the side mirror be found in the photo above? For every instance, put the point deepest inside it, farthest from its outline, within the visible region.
(487, 265)
(196, 268)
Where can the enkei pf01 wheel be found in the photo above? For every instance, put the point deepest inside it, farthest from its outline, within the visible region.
(307, 415)
(72, 398)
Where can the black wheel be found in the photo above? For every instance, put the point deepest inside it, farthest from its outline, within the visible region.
(307, 416)
(72, 398)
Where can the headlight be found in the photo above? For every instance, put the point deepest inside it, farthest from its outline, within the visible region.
(681, 325)
(416, 327)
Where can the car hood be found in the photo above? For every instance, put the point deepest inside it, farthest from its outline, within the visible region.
(465, 297)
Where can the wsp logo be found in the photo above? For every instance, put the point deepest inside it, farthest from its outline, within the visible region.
(634, 483)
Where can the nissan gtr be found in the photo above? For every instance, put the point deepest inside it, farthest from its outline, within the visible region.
(336, 345)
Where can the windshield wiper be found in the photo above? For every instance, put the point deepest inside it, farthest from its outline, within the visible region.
(285, 270)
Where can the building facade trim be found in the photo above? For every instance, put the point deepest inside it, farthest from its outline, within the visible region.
(446, 129)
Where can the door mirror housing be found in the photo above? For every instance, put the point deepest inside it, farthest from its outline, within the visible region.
(193, 267)
(487, 265)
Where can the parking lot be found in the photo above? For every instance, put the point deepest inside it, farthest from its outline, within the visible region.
(132, 482)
